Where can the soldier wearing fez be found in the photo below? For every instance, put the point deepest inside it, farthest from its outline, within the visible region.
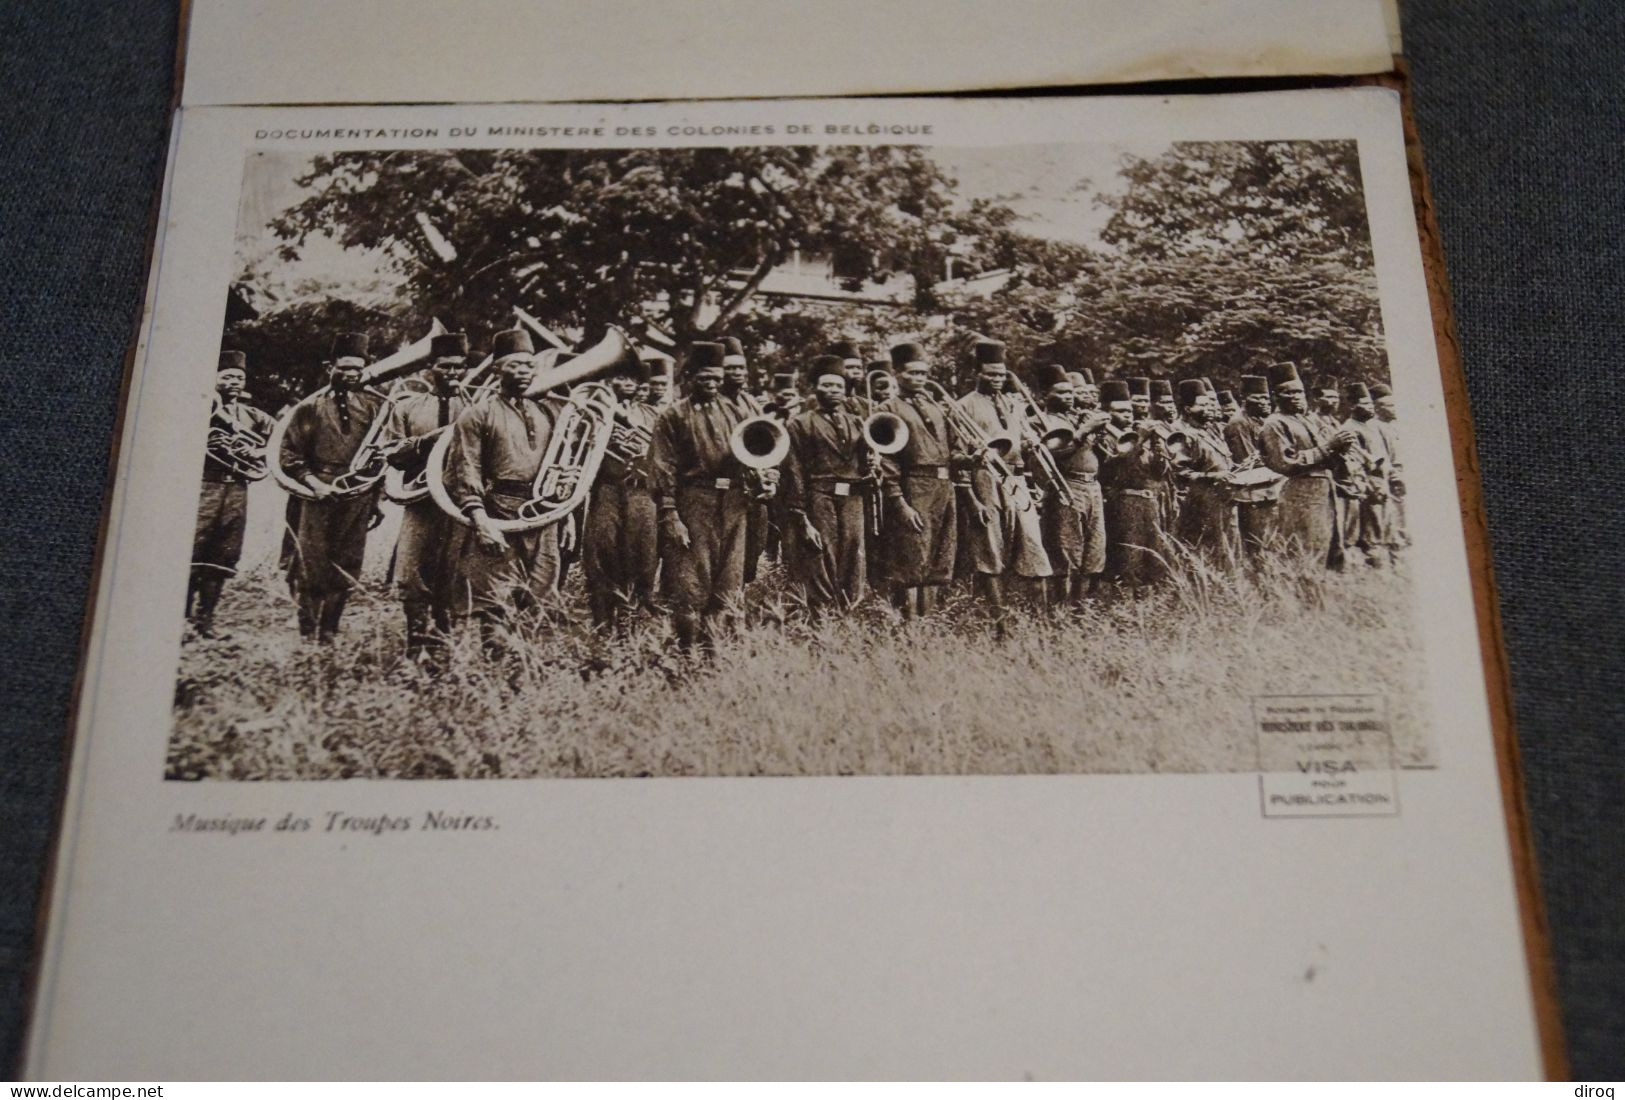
(1001, 527)
(702, 497)
(322, 438)
(1370, 510)
(222, 507)
(852, 368)
(495, 450)
(1139, 396)
(921, 483)
(736, 388)
(619, 554)
(1298, 446)
(1074, 522)
(1382, 395)
(1207, 515)
(427, 548)
(1255, 504)
(1132, 476)
(823, 490)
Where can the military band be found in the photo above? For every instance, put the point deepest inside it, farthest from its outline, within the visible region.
(863, 477)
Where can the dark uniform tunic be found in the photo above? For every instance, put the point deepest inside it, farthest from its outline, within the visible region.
(825, 482)
(922, 474)
(222, 508)
(495, 451)
(1075, 523)
(1207, 514)
(1013, 542)
(430, 542)
(1134, 484)
(1294, 445)
(619, 552)
(1370, 511)
(331, 538)
(695, 474)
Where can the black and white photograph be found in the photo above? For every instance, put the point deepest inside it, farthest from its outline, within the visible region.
(794, 460)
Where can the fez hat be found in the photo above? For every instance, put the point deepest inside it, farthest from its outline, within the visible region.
(1139, 387)
(1049, 353)
(1113, 389)
(1086, 374)
(1329, 385)
(511, 341)
(350, 345)
(1382, 389)
(705, 353)
(1227, 398)
(1049, 374)
(904, 354)
(733, 352)
(844, 350)
(657, 364)
(784, 380)
(1191, 391)
(1284, 374)
(879, 364)
(989, 352)
(822, 365)
(1255, 385)
(233, 360)
(1207, 384)
(630, 366)
(1355, 391)
(448, 345)
(1160, 388)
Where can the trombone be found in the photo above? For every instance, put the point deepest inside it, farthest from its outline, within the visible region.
(994, 447)
(1043, 446)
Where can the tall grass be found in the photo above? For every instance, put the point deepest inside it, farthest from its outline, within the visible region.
(1162, 683)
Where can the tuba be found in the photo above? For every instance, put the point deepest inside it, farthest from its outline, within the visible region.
(237, 447)
(583, 422)
(367, 467)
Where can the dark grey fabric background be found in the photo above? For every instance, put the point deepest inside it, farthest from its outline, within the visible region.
(1519, 104)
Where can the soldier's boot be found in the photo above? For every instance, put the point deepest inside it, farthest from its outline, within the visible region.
(601, 606)
(419, 637)
(208, 596)
(687, 626)
(310, 614)
(332, 611)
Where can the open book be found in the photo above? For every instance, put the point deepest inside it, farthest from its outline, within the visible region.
(675, 540)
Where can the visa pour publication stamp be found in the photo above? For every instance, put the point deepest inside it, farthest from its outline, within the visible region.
(1325, 756)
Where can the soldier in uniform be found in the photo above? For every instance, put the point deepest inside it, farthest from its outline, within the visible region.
(321, 440)
(1132, 474)
(1369, 511)
(852, 368)
(430, 542)
(222, 507)
(1382, 395)
(1139, 395)
(495, 452)
(736, 388)
(619, 552)
(1229, 409)
(1298, 447)
(1255, 504)
(659, 382)
(922, 481)
(1085, 394)
(701, 497)
(1207, 514)
(1074, 521)
(878, 377)
(1002, 527)
(823, 488)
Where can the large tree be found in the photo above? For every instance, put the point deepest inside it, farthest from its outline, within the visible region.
(677, 238)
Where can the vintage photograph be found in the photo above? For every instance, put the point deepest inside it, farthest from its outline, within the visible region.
(794, 460)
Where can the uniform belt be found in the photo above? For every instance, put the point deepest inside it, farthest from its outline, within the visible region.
(937, 472)
(511, 487)
(715, 483)
(1324, 475)
(1079, 479)
(1149, 494)
(835, 486)
(224, 477)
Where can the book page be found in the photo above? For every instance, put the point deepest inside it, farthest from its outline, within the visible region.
(400, 51)
(789, 588)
